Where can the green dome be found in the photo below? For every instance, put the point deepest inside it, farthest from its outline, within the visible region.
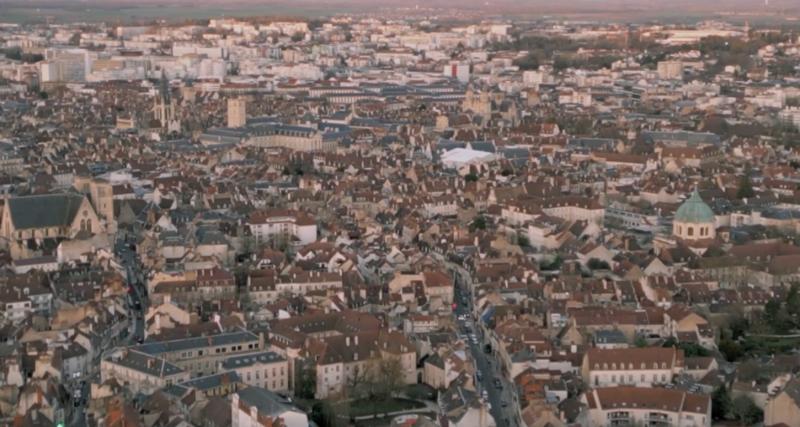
(694, 210)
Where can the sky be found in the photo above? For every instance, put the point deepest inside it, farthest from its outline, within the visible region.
(96, 10)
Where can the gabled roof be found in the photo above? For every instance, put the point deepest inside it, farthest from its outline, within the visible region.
(46, 210)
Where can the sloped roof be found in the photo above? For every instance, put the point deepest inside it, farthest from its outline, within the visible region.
(45, 210)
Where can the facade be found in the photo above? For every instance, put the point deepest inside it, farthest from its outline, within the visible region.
(141, 372)
(341, 358)
(628, 405)
(237, 112)
(640, 367)
(267, 370)
(48, 216)
(287, 227)
(201, 356)
(298, 138)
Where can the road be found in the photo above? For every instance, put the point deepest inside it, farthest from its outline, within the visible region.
(78, 418)
(501, 398)
(130, 260)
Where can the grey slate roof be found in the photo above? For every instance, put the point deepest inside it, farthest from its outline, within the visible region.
(45, 210)
(212, 381)
(251, 359)
(155, 348)
(147, 364)
(267, 402)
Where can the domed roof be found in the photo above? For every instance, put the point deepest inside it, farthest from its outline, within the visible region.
(694, 210)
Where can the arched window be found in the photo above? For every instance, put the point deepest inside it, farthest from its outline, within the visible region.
(690, 231)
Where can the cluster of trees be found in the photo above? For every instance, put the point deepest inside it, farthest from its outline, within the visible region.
(594, 62)
(740, 408)
(552, 264)
(16, 54)
(560, 51)
(379, 381)
(782, 317)
(479, 223)
(769, 332)
(597, 264)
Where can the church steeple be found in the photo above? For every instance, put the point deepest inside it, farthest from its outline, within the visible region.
(164, 107)
(163, 88)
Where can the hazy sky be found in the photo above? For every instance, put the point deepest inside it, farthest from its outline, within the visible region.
(618, 10)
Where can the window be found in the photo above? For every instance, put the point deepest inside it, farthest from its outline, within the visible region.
(690, 231)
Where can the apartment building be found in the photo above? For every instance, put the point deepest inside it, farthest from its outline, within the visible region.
(141, 372)
(267, 369)
(340, 358)
(628, 405)
(201, 355)
(641, 367)
(307, 281)
(284, 226)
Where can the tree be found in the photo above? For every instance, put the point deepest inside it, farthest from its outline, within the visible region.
(75, 39)
(387, 377)
(528, 62)
(479, 223)
(325, 415)
(358, 385)
(720, 403)
(306, 381)
(691, 349)
(746, 411)
(555, 264)
(522, 240)
(731, 349)
(597, 264)
(745, 190)
(793, 302)
(470, 177)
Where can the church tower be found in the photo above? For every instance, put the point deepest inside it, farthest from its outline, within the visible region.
(164, 107)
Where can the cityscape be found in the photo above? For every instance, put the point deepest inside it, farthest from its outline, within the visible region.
(337, 213)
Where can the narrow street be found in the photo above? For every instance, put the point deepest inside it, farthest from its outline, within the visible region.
(138, 304)
(129, 259)
(501, 396)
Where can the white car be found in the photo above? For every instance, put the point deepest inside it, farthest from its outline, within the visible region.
(485, 394)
